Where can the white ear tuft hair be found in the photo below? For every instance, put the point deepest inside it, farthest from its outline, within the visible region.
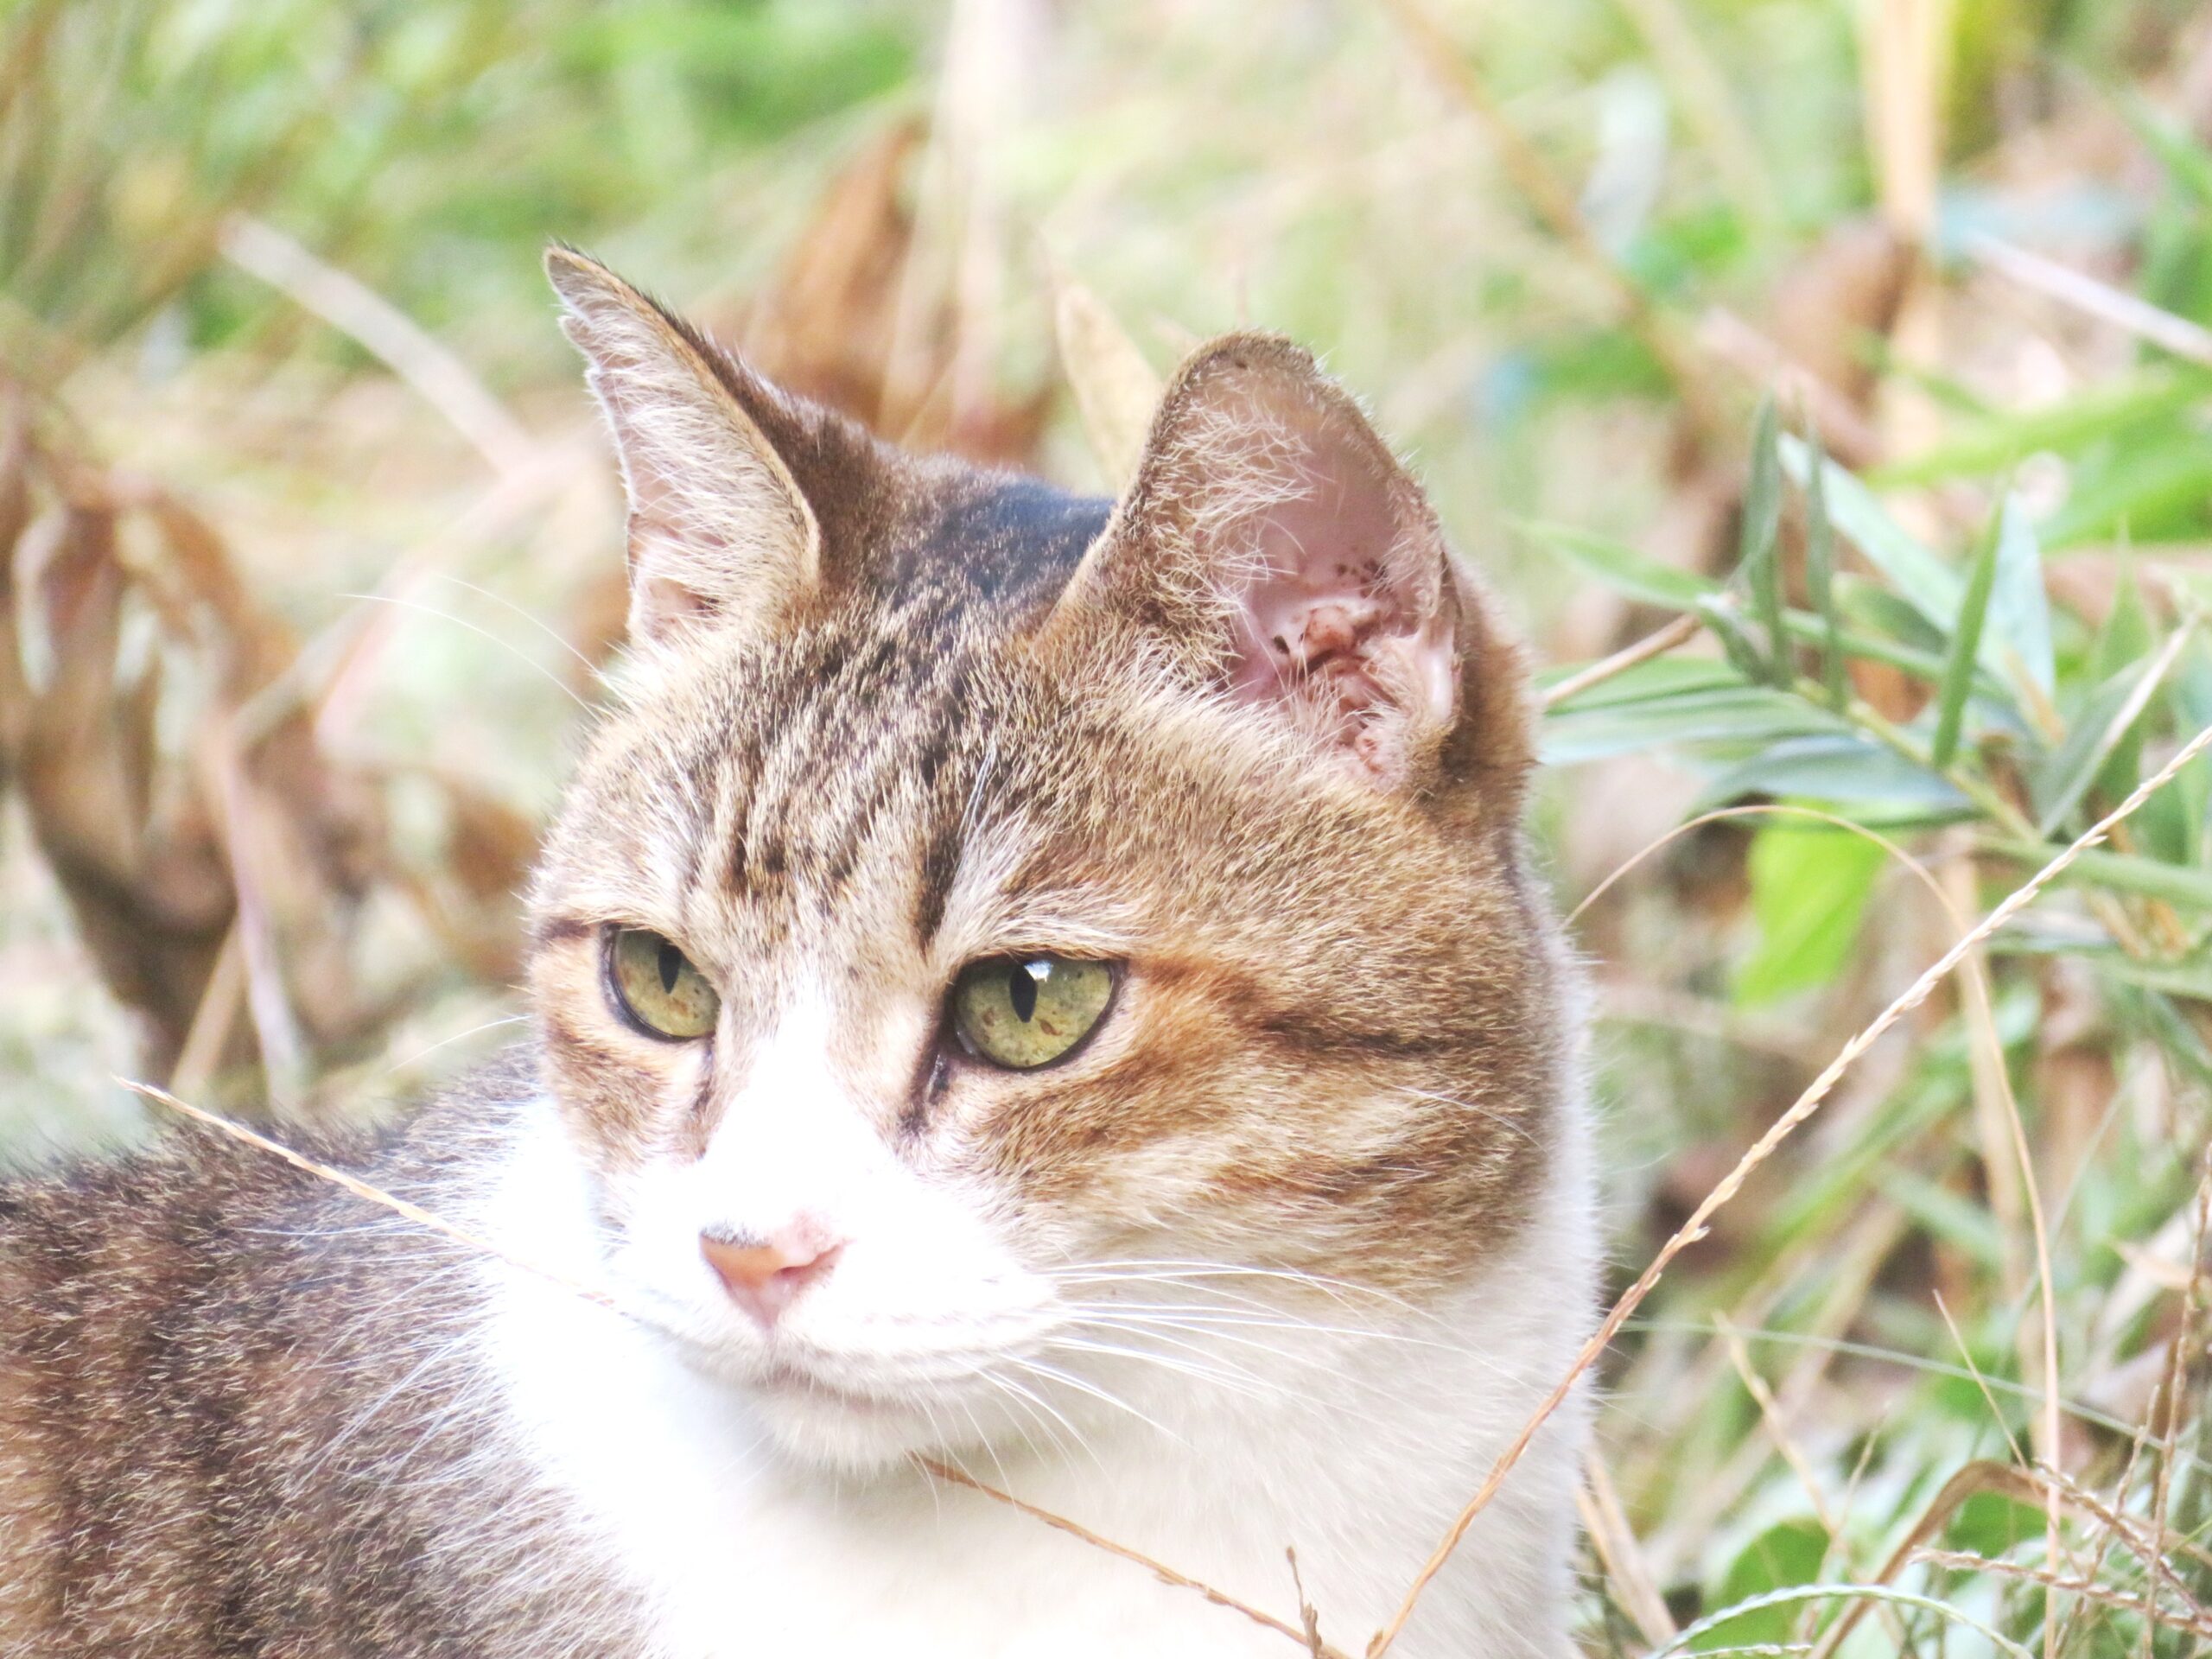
(1272, 543)
(717, 525)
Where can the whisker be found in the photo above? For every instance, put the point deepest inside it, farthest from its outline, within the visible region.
(983, 1442)
(1067, 1379)
(507, 646)
(1165, 1362)
(1170, 1270)
(1237, 1317)
(530, 617)
(489, 1024)
(1036, 1407)
(1134, 1328)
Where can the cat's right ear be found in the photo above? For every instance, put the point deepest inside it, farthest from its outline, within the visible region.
(717, 525)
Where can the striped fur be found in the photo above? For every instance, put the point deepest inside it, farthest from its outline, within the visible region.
(1251, 734)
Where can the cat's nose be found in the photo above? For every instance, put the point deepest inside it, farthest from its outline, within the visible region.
(766, 1276)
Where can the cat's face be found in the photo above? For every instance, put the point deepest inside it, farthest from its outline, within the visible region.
(1001, 967)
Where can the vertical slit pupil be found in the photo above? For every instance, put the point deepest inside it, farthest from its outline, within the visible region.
(671, 964)
(1021, 991)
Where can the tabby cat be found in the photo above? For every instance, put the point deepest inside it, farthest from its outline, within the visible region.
(1046, 984)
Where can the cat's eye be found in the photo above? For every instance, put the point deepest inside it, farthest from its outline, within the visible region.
(1023, 1012)
(658, 987)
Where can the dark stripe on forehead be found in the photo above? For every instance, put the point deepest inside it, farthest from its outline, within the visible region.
(1012, 542)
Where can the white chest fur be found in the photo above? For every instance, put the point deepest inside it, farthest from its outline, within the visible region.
(740, 1554)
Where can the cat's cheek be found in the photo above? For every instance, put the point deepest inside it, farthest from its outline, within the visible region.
(621, 1093)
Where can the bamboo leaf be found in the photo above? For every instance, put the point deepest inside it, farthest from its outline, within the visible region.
(2111, 711)
(1966, 644)
(1624, 568)
(2018, 644)
(1820, 578)
(2121, 873)
(1662, 677)
(1931, 587)
(1736, 643)
(1809, 888)
(1759, 551)
(2156, 484)
(1842, 768)
(1738, 714)
(1994, 444)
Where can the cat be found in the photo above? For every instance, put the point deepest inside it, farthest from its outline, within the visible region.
(1049, 985)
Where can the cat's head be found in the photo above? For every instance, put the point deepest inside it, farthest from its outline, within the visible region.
(1006, 948)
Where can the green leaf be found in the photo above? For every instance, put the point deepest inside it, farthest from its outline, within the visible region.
(2192, 981)
(1742, 714)
(1993, 1524)
(1839, 769)
(1699, 1636)
(1820, 579)
(1866, 604)
(1809, 887)
(2104, 720)
(2126, 636)
(2121, 873)
(2017, 644)
(2155, 486)
(1737, 645)
(1965, 646)
(1931, 587)
(1638, 576)
(2003, 441)
(1784, 1557)
(1947, 1216)
(1807, 626)
(2187, 162)
(1759, 554)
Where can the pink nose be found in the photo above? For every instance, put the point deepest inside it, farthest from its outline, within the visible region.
(765, 1279)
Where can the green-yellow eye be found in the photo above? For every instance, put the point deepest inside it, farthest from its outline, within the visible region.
(1027, 1011)
(658, 987)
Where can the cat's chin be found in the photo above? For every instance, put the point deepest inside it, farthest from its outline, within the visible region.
(851, 1434)
(813, 1420)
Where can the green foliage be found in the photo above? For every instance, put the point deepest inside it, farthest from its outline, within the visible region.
(1809, 888)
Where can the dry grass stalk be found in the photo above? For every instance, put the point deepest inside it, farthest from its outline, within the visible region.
(2191, 342)
(1165, 1573)
(1619, 1553)
(1658, 643)
(1777, 1427)
(1307, 1615)
(361, 1189)
(2191, 1617)
(1803, 1108)
(396, 339)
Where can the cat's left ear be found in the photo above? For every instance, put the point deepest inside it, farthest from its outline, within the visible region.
(717, 525)
(1271, 547)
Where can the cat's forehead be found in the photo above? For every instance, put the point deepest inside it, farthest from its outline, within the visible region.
(863, 779)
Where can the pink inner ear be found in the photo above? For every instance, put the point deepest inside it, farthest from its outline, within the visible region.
(1333, 623)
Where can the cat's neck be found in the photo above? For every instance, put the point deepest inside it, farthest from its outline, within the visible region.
(1356, 1453)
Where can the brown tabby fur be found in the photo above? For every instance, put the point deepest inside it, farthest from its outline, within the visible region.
(238, 1413)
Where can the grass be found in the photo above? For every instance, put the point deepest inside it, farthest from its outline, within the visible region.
(1825, 683)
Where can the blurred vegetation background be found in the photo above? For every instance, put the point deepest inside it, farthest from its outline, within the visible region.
(312, 555)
